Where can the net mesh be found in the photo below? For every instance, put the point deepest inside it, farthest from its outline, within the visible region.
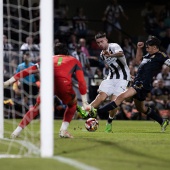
(21, 36)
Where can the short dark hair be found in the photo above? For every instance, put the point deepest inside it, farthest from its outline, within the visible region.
(153, 41)
(100, 35)
(60, 48)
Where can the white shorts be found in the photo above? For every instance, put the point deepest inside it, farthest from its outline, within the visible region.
(113, 86)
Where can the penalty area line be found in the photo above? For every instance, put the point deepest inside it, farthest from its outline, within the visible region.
(74, 163)
(36, 151)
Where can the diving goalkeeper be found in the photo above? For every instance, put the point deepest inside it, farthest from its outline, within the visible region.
(64, 68)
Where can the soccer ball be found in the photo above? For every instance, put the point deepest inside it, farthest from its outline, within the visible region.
(91, 124)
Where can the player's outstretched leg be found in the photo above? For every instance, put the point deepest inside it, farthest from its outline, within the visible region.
(155, 116)
(28, 117)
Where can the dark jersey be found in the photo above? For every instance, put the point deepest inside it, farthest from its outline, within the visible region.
(150, 66)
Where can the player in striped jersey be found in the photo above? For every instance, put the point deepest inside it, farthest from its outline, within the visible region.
(117, 79)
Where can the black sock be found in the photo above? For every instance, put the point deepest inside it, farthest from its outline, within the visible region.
(154, 115)
(109, 120)
(110, 106)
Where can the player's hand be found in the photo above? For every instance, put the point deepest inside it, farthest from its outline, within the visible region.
(6, 84)
(86, 106)
(140, 44)
(9, 82)
(106, 53)
(132, 78)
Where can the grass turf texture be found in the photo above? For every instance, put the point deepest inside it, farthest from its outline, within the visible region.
(132, 145)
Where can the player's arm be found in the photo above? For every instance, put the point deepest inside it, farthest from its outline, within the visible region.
(31, 70)
(118, 54)
(15, 87)
(139, 52)
(81, 83)
(167, 62)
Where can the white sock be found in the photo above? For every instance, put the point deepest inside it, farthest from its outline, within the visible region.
(111, 117)
(17, 131)
(64, 126)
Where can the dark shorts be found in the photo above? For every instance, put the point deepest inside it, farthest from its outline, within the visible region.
(141, 92)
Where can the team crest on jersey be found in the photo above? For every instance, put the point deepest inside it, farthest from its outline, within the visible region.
(152, 56)
(138, 85)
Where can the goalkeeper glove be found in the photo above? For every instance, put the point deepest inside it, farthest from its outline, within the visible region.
(85, 104)
(9, 82)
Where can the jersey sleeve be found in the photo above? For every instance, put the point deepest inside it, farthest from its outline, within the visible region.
(167, 62)
(115, 47)
(80, 77)
(164, 59)
(31, 70)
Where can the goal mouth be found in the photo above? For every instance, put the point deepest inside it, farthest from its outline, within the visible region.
(21, 32)
(17, 148)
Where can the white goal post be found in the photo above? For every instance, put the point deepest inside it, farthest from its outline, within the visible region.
(46, 76)
(46, 71)
(1, 73)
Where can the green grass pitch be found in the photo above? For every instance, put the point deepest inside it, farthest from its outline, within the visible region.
(132, 145)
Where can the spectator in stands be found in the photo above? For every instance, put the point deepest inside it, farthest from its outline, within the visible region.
(160, 29)
(31, 47)
(112, 18)
(165, 14)
(165, 76)
(168, 50)
(98, 73)
(72, 44)
(36, 17)
(26, 88)
(80, 23)
(79, 55)
(149, 18)
(7, 47)
(85, 49)
(61, 14)
(6, 44)
(166, 39)
(127, 111)
(161, 95)
(129, 50)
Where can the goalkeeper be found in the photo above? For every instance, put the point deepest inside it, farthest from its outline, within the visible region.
(64, 68)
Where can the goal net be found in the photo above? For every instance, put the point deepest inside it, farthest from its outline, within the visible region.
(21, 48)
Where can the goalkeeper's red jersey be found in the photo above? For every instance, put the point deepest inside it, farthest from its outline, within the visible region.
(64, 69)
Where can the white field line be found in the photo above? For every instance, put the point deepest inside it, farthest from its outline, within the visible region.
(74, 163)
(35, 150)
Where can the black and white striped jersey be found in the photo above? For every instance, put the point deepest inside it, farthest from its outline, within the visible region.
(118, 68)
(82, 58)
